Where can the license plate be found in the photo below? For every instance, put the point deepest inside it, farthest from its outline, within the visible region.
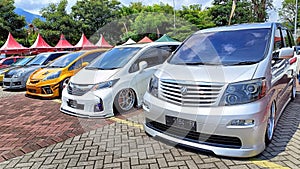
(72, 103)
(181, 123)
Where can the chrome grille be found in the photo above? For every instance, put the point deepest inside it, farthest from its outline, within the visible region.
(194, 94)
(78, 90)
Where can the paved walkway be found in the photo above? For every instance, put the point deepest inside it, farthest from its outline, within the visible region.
(123, 144)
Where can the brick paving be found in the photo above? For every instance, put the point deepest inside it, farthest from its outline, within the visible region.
(28, 124)
(118, 145)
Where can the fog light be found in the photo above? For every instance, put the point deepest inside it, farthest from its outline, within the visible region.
(248, 122)
(99, 107)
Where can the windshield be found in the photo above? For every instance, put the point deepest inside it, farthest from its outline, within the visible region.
(38, 60)
(22, 62)
(223, 48)
(65, 60)
(114, 59)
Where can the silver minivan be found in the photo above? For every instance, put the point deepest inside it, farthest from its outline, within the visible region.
(223, 90)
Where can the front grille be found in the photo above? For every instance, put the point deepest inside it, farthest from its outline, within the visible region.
(31, 90)
(7, 76)
(6, 83)
(78, 90)
(193, 94)
(192, 136)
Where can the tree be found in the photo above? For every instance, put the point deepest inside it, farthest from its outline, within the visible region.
(91, 15)
(10, 21)
(57, 22)
(260, 8)
(221, 9)
(287, 13)
(196, 16)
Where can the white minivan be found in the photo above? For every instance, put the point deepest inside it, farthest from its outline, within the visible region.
(116, 81)
(223, 90)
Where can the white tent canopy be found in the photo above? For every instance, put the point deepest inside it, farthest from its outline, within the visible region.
(129, 41)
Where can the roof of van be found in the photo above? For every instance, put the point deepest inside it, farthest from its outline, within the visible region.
(142, 45)
(238, 27)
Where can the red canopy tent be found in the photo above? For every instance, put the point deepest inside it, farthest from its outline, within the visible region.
(102, 43)
(145, 40)
(40, 45)
(63, 43)
(11, 46)
(84, 43)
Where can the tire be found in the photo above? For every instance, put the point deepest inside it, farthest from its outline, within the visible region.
(294, 90)
(124, 101)
(63, 84)
(270, 125)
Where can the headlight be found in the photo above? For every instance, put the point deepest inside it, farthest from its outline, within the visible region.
(17, 75)
(153, 86)
(103, 85)
(244, 92)
(52, 76)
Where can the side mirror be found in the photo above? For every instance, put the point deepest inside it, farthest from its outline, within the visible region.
(143, 65)
(84, 64)
(286, 53)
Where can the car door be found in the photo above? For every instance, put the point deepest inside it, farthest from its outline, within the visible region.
(154, 57)
(280, 68)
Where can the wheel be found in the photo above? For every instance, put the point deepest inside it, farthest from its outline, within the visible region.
(294, 90)
(124, 101)
(63, 84)
(270, 125)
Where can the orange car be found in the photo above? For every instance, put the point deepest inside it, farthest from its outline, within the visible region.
(49, 81)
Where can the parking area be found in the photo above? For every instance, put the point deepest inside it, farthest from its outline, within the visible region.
(35, 134)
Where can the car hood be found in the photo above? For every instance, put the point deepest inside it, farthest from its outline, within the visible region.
(85, 76)
(42, 73)
(204, 73)
(25, 70)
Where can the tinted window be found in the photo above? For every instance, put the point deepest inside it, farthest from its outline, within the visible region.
(23, 61)
(65, 60)
(115, 58)
(8, 62)
(225, 47)
(53, 56)
(39, 59)
(89, 58)
(76, 65)
(153, 56)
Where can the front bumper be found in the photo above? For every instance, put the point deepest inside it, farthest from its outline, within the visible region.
(46, 91)
(87, 104)
(213, 132)
(14, 83)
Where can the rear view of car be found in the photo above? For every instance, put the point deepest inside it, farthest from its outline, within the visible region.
(49, 81)
(17, 77)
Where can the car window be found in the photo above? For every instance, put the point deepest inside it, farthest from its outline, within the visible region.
(278, 43)
(154, 56)
(247, 46)
(114, 59)
(90, 57)
(53, 57)
(8, 62)
(65, 60)
(76, 65)
(286, 38)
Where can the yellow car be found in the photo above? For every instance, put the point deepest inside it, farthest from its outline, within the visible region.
(49, 81)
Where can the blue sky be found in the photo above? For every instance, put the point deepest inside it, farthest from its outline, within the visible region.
(35, 5)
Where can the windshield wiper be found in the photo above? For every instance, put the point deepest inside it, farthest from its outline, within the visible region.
(93, 68)
(54, 66)
(243, 63)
